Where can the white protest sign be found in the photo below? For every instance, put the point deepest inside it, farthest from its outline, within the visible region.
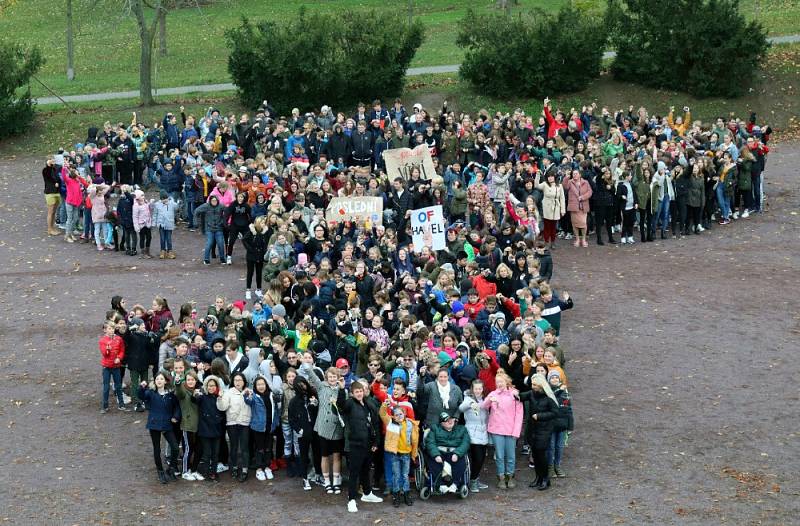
(428, 228)
(400, 162)
(355, 209)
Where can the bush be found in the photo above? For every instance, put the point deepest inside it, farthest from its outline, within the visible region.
(317, 59)
(18, 65)
(530, 54)
(703, 47)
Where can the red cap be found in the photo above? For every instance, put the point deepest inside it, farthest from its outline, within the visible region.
(342, 363)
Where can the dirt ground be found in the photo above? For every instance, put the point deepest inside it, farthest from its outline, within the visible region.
(683, 367)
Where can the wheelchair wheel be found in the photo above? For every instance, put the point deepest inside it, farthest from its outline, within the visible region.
(425, 493)
(419, 473)
(467, 470)
(464, 491)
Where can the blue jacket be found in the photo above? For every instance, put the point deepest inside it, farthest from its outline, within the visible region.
(125, 210)
(170, 180)
(263, 418)
(171, 132)
(162, 409)
(290, 144)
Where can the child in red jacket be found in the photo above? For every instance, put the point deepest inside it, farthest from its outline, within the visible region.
(112, 352)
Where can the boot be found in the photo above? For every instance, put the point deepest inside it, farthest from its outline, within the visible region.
(170, 472)
(162, 478)
(611, 238)
(663, 234)
(535, 483)
(146, 252)
(243, 475)
(559, 472)
(163, 254)
(510, 484)
(501, 482)
(170, 254)
(407, 498)
(650, 237)
(133, 251)
(551, 472)
(396, 499)
(543, 484)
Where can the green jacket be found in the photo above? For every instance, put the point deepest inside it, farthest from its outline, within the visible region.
(643, 193)
(745, 169)
(437, 437)
(697, 192)
(458, 205)
(189, 413)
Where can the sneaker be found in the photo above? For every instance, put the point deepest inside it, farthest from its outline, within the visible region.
(99, 247)
(268, 473)
(229, 260)
(221, 467)
(700, 228)
(443, 489)
(306, 485)
(139, 408)
(452, 488)
(736, 215)
(473, 486)
(248, 295)
(319, 480)
(104, 411)
(631, 241)
(352, 507)
(126, 399)
(123, 407)
(526, 449)
(198, 476)
(260, 475)
(624, 240)
(481, 485)
(560, 235)
(746, 214)
(188, 476)
(259, 294)
(206, 262)
(568, 236)
(371, 497)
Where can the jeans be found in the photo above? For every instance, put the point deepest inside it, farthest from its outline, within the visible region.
(155, 437)
(400, 466)
(662, 215)
(130, 238)
(72, 218)
(458, 468)
(214, 238)
(190, 206)
(556, 449)
(723, 201)
(100, 233)
(61, 212)
(165, 238)
(137, 377)
(291, 442)
(88, 227)
(755, 178)
(109, 372)
(505, 455)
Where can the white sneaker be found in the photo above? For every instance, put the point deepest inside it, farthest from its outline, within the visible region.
(700, 228)
(198, 476)
(631, 241)
(268, 474)
(187, 476)
(736, 215)
(624, 240)
(352, 507)
(371, 497)
(259, 294)
(126, 399)
(453, 488)
(306, 485)
(229, 260)
(568, 236)
(443, 489)
(248, 295)
(260, 475)
(221, 467)
(746, 213)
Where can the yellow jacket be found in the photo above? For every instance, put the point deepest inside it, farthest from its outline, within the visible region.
(680, 129)
(396, 435)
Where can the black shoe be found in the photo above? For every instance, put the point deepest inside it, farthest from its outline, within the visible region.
(663, 235)
(139, 408)
(234, 473)
(407, 498)
(396, 499)
(170, 474)
(243, 476)
(133, 253)
(600, 243)
(162, 478)
(535, 483)
(543, 484)
(611, 240)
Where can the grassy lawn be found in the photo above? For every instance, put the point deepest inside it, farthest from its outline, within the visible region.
(774, 98)
(107, 47)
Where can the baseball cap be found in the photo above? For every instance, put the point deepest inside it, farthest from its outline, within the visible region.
(342, 363)
(444, 416)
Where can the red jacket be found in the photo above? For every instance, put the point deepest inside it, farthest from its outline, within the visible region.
(472, 309)
(484, 287)
(487, 376)
(403, 401)
(552, 124)
(111, 349)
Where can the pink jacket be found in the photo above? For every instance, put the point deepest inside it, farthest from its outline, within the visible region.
(99, 208)
(97, 164)
(574, 189)
(142, 215)
(224, 199)
(74, 188)
(505, 413)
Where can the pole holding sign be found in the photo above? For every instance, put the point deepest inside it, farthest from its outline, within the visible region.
(428, 228)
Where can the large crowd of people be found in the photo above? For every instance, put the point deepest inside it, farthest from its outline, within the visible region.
(355, 356)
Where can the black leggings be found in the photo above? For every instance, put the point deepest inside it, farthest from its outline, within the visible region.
(683, 214)
(694, 217)
(540, 462)
(646, 222)
(155, 436)
(233, 235)
(262, 448)
(628, 217)
(145, 237)
(358, 462)
(209, 456)
(258, 268)
(130, 238)
(604, 215)
(239, 453)
(477, 456)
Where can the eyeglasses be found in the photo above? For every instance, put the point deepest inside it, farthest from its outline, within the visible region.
(374, 364)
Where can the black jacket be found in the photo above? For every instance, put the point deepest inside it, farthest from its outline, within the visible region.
(603, 196)
(539, 430)
(211, 420)
(139, 349)
(362, 146)
(256, 245)
(125, 210)
(238, 214)
(361, 421)
(545, 265)
(51, 179)
(338, 146)
(564, 420)
(302, 416)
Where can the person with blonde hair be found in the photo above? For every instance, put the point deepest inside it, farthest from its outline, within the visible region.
(255, 244)
(543, 413)
(505, 426)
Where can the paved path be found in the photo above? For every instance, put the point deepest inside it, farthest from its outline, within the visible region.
(210, 88)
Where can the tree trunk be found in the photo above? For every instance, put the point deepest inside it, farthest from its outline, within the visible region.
(410, 12)
(162, 32)
(70, 44)
(146, 69)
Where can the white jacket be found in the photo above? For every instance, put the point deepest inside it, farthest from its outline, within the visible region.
(237, 412)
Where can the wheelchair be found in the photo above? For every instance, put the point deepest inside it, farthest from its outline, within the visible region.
(427, 486)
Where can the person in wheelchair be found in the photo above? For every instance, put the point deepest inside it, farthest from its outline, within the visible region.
(445, 448)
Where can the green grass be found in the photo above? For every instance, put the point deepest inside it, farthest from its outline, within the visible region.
(774, 98)
(107, 45)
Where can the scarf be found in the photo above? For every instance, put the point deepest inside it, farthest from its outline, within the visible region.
(444, 394)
